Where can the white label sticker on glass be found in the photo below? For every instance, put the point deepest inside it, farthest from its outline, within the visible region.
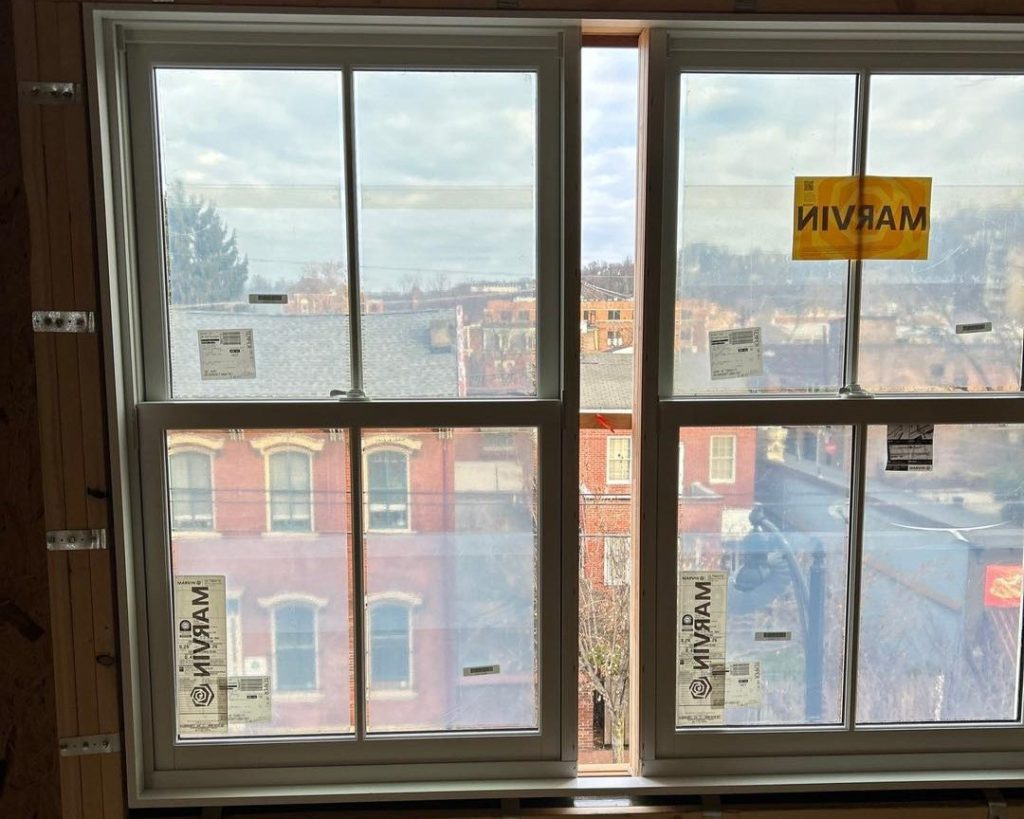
(268, 298)
(226, 354)
(701, 669)
(781, 636)
(202, 667)
(480, 670)
(909, 447)
(249, 699)
(743, 685)
(976, 327)
(735, 353)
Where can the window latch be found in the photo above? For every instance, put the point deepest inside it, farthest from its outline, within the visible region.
(50, 93)
(63, 321)
(92, 744)
(854, 391)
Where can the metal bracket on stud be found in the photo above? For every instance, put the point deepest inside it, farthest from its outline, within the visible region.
(76, 540)
(94, 744)
(996, 804)
(50, 93)
(63, 321)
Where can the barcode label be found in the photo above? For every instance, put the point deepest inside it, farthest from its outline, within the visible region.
(976, 327)
(740, 669)
(741, 337)
(268, 298)
(231, 337)
(773, 635)
(246, 684)
(479, 670)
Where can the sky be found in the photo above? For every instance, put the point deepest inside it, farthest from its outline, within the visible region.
(446, 161)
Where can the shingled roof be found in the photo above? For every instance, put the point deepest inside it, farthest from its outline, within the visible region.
(302, 356)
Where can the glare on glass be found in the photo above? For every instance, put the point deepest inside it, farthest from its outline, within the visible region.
(451, 579)
(447, 174)
(266, 511)
(953, 321)
(941, 580)
(763, 522)
(253, 204)
(742, 140)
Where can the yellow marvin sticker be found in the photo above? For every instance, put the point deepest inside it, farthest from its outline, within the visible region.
(861, 217)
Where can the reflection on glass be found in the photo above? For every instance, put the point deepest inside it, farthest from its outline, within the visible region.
(268, 510)
(447, 170)
(974, 273)
(742, 140)
(941, 580)
(253, 204)
(609, 111)
(763, 516)
(451, 579)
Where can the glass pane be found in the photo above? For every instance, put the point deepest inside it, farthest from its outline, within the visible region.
(763, 544)
(447, 167)
(609, 144)
(912, 312)
(273, 626)
(452, 595)
(941, 583)
(609, 111)
(742, 140)
(253, 196)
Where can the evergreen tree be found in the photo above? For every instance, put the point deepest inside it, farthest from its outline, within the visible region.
(204, 264)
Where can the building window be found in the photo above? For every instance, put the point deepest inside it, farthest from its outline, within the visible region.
(619, 459)
(295, 647)
(614, 315)
(290, 481)
(614, 338)
(387, 490)
(722, 468)
(617, 559)
(390, 646)
(191, 491)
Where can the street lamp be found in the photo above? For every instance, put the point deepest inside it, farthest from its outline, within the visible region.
(761, 580)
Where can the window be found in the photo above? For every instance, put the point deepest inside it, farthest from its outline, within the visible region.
(387, 489)
(295, 654)
(361, 303)
(363, 314)
(617, 560)
(390, 646)
(722, 468)
(191, 491)
(290, 490)
(619, 459)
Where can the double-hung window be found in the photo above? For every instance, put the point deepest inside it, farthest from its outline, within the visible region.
(825, 593)
(322, 227)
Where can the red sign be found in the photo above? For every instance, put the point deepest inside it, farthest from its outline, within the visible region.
(1003, 586)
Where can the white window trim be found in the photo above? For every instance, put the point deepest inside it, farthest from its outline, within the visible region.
(712, 458)
(608, 460)
(406, 453)
(609, 578)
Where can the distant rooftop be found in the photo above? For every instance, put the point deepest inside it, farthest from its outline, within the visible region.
(300, 356)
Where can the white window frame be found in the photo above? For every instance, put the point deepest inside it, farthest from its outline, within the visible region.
(609, 461)
(127, 44)
(268, 459)
(712, 459)
(827, 756)
(681, 477)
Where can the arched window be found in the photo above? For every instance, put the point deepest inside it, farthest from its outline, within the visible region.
(390, 646)
(387, 490)
(295, 662)
(191, 490)
(289, 477)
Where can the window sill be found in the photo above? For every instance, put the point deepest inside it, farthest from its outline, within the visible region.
(296, 696)
(397, 694)
(566, 787)
(195, 534)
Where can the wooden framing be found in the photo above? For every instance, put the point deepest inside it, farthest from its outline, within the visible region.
(55, 150)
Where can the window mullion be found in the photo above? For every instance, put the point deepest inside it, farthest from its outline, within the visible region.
(355, 317)
(853, 295)
(853, 583)
(358, 578)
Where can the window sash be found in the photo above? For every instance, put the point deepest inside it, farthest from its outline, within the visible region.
(837, 750)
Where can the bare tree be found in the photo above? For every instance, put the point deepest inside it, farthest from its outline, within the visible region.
(604, 642)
